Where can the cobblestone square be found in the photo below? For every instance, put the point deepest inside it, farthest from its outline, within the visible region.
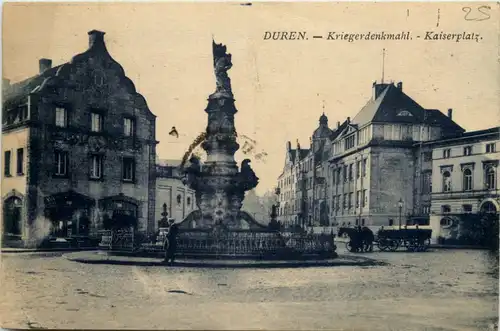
(437, 290)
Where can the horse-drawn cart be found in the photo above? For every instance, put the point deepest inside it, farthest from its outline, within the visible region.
(415, 240)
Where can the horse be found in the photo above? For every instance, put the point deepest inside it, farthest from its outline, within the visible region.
(360, 239)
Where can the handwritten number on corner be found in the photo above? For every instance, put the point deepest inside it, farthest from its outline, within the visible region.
(481, 13)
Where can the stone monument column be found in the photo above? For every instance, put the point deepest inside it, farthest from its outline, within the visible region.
(220, 187)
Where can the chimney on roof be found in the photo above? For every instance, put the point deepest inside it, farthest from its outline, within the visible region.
(96, 38)
(378, 89)
(288, 146)
(400, 86)
(338, 125)
(348, 120)
(450, 113)
(44, 64)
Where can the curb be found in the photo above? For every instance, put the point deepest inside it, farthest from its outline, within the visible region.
(341, 261)
(44, 250)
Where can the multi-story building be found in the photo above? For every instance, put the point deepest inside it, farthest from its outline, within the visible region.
(303, 187)
(465, 181)
(373, 157)
(289, 190)
(79, 149)
(180, 200)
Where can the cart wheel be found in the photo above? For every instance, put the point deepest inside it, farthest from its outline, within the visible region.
(382, 245)
(412, 245)
(393, 245)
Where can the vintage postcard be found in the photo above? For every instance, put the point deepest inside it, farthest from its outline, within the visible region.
(250, 165)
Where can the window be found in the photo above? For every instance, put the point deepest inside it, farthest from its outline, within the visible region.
(391, 222)
(350, 200)
(490, 148)
(445, 209)
(349, 142)
(61, 117)
(358, 198)
(358, 169)
(446, 153)
(363, 222)
(426, 210)
(6, 169)
(339, 176)
(61, 163)
(128, 169)
(446, 222)
(20, 161)
(446, 181)
(364, 168)
(344, 201)
(467, 150)
(467, 208)
(345, 174)
(128, 127)
(364, 198)
(96, 166)
(350, 171)
(491, 178)
(179, 199)
(467, 180)
(427, 182)
(96, 122)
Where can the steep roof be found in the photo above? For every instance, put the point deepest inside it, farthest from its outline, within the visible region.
(491, 132)
(15, 93)
(301, 153)
(58, 76)
(392, 105)
(436, 117)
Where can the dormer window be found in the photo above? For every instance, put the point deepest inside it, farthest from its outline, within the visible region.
(404, 113)
(61, 117)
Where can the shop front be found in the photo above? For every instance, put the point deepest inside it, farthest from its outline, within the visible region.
(69, 213)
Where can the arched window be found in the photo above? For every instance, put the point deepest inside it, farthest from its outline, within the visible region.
(446, 181)
(445, 222)
(467, 180)
(491, 178)
(179, 199)
(445, 209)
(391, 222)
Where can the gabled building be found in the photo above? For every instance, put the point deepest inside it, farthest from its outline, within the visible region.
(373, 166)
(78, 149)
(289, 188)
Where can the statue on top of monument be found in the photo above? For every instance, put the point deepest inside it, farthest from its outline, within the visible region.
(222, 63)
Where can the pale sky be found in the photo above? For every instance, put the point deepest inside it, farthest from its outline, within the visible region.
(279, 86)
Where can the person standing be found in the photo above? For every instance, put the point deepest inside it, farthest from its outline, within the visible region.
(172, 242)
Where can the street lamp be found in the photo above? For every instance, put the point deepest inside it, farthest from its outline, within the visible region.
(400, 204)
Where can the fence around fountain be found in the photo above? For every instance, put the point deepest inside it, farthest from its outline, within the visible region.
(200, 243)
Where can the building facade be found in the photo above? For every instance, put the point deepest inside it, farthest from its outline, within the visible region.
(180, 200)
(79, 149)
(464, 182)
(370, 170)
